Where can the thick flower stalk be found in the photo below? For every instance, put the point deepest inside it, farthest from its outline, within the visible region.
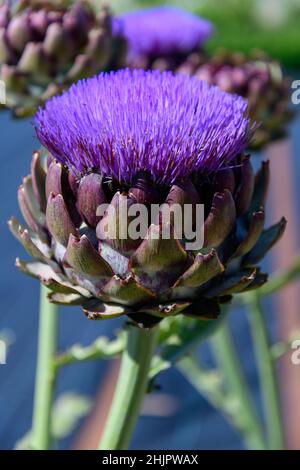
(149, 138)
(45, 46)
(163, 37)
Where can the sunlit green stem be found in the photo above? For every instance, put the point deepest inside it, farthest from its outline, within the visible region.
(45, 374)
(227, 358)
(130, 389)
(266, 368)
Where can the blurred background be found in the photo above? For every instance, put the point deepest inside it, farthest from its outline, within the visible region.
(176, 417)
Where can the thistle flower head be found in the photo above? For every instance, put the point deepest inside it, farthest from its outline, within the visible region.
(130, 121)
(163, 31)
(127, 125)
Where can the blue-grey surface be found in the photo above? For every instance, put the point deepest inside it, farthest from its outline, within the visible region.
(195, 425)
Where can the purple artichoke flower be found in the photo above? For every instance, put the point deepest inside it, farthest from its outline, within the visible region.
(148, 138)
(45, 46)
(162, 37)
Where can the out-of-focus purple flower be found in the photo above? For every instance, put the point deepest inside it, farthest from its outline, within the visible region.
(162, 32)
(168, 125)
(136, 137)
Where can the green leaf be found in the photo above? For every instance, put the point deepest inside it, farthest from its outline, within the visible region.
(101, 348)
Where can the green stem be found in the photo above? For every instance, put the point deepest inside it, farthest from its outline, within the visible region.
(130, 389)
(266, 369)
(45, 375)
(227, 358)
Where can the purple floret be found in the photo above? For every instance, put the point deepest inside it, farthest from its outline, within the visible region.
(163, 31)
(129, 121)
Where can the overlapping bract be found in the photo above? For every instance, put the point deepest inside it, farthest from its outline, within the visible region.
(46, 46)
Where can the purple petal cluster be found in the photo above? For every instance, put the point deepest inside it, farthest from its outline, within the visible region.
(129, 121)
(163, 31)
